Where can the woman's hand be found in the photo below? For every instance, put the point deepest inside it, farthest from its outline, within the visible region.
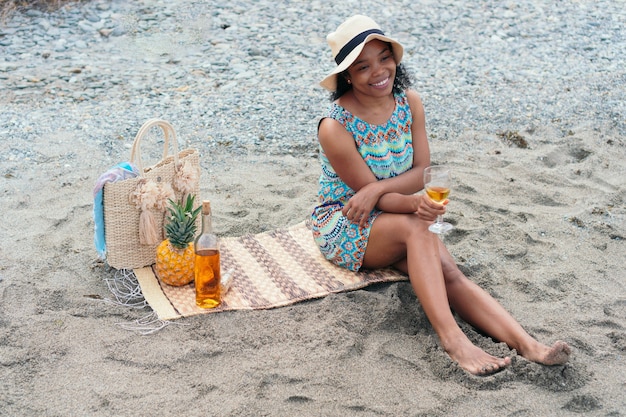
(429, 209)
(359, 207)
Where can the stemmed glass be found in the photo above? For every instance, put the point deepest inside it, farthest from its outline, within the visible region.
(437, 182)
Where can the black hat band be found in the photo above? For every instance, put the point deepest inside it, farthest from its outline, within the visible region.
(349, 47)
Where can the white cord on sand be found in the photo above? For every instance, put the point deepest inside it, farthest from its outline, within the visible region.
(126, 289)
(146, 325)
(127, 292)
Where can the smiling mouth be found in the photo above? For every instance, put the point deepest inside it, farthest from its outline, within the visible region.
(381, 83)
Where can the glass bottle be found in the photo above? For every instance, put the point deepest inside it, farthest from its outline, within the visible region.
(207, 263)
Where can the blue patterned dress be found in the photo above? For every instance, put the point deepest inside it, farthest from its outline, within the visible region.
(388, 151)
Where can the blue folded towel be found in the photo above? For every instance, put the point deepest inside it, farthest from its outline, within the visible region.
(119, 172)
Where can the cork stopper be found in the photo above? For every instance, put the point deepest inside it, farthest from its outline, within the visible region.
(206, 207)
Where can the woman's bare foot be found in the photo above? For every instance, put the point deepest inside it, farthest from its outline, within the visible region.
(557, 354)
(473, 359)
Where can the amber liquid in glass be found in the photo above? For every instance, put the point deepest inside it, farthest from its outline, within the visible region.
(438, 194)
(207, 278)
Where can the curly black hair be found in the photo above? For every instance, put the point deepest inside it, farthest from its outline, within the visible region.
(402, 81)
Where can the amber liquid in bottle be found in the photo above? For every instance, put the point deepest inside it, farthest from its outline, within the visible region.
(207, 263)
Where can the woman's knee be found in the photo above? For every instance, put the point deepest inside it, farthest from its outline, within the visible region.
(402, 226)
(412, 224)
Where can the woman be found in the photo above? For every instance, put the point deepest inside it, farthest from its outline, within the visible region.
(374, 150)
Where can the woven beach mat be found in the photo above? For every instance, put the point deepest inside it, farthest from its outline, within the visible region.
(270, 269)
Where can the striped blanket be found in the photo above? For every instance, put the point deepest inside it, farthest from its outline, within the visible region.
(270, 269)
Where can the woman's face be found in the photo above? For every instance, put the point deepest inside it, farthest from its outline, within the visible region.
(374, 71)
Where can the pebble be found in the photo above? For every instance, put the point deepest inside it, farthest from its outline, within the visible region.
(244, 74)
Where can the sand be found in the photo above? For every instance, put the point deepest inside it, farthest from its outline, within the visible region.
(541, 227)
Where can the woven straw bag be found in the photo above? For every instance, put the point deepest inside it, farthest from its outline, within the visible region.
(126, 247)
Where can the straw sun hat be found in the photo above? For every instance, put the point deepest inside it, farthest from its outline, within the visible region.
(347, 42)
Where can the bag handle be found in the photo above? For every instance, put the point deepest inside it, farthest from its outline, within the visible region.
(168, 129)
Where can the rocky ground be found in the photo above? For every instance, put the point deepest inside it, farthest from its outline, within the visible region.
(525, 100)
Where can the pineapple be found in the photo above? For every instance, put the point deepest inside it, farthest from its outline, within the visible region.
(175, 255)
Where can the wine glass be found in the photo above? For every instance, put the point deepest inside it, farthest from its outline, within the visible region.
(437, 181)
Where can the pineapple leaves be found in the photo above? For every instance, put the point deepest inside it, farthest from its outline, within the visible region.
(181, 226)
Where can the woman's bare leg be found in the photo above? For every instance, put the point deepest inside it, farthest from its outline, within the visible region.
(396, 237)
(480, 309)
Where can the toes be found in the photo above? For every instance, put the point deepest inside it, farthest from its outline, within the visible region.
(492, 368)
(486, 370)
(558, 354)
(563, 347)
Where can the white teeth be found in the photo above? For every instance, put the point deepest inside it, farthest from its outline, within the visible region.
(383, 82)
